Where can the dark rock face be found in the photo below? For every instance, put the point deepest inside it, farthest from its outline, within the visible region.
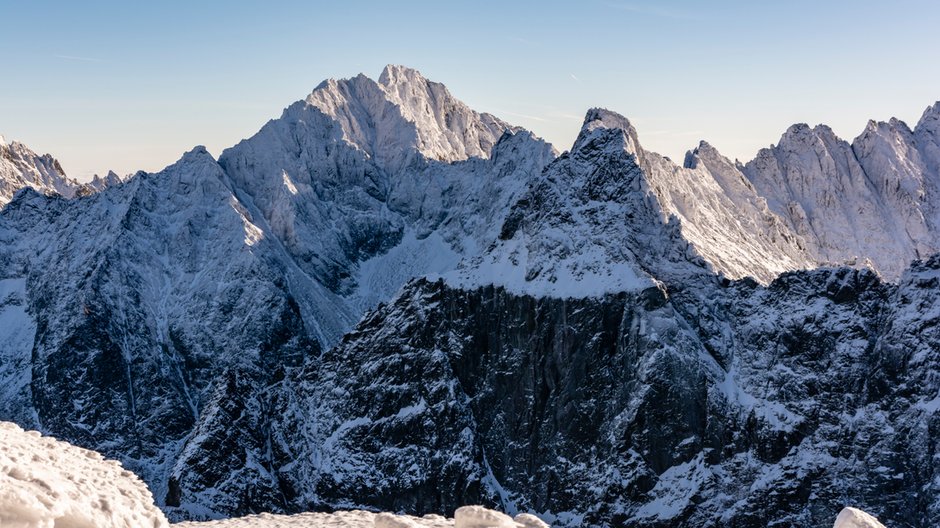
(625, 412)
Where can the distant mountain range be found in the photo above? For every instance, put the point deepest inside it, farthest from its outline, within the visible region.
(385, 299)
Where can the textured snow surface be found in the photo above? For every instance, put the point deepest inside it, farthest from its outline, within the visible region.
(45, 483)
(855, 518)
(340, 519)
(464, 517)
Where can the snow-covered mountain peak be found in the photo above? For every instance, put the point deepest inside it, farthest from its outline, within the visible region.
(521, 144)
(401, 114)
(930, 118)
(825, 132)
(112, 178)
(197, 154)
(600, 121)
(448, 130)
(196, 165)
(21, 167)
(602, 117)
(886, 141)
(396, 74)
(801, 136)
(98, 183)
(704, 151)
(892, 127)
(797, 133)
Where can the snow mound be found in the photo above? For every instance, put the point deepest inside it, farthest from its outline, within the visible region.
(389, 520)
(45, 483)
(855, 518)
(465, 517)
(340, 519)
(480, 517)
(527, 520)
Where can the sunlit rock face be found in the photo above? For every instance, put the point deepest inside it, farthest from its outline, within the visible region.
(872, 202)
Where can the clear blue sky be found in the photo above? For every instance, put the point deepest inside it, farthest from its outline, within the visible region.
(131, 85)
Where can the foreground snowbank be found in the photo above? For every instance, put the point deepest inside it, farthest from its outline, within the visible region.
(45, 483)
(855, 518)
(465, 517)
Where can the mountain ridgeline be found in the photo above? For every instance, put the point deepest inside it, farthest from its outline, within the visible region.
(387, 300)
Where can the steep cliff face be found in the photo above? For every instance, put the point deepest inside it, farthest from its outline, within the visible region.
(487, 396)
(621, 410)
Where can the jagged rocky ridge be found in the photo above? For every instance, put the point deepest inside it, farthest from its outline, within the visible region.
(579, 356)
(875, 199)
(20, 167)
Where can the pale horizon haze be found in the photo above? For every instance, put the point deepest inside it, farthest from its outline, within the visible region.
(106, 85)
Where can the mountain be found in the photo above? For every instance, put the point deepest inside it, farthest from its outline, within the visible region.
(675, 398)
(613, 216)
(98, 184)
(131, 312)
(363, 195)
(384, 299)
(20, 167)
(872, 200)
